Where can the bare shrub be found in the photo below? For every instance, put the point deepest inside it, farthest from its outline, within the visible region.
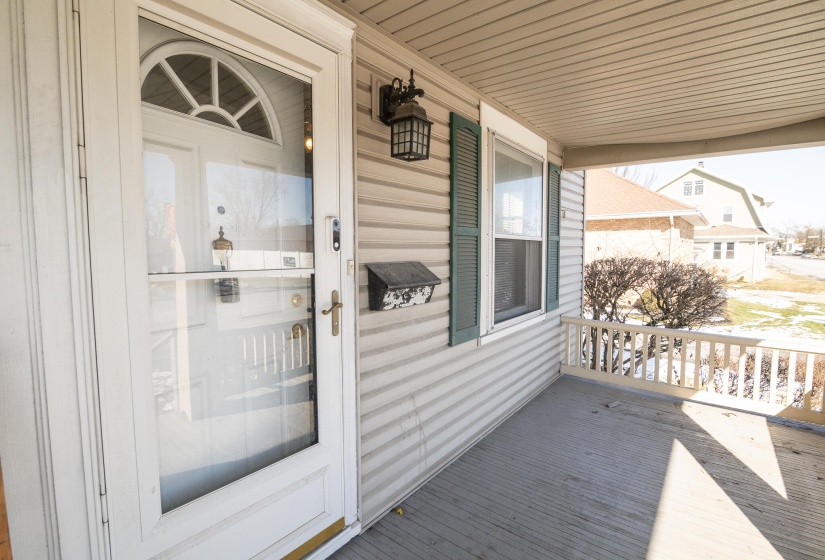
(609, 282)
(681, 296)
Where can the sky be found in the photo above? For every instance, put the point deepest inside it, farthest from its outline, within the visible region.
(793, 179)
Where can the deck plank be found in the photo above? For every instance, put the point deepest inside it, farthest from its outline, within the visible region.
(653, 478)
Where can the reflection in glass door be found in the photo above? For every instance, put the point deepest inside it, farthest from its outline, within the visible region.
(231, 257)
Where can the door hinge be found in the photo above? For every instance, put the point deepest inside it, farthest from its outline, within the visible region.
(81, 160)
(104, 509)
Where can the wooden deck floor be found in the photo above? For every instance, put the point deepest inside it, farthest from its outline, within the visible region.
(653, 477)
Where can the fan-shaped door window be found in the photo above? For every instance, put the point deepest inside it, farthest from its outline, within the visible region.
(186, 78)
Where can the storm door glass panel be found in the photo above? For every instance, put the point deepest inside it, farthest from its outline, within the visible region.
(231, 262)
(518, 194)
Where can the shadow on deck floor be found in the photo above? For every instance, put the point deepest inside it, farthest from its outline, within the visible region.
(654, 477)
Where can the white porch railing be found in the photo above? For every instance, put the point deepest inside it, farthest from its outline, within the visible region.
(777, 378)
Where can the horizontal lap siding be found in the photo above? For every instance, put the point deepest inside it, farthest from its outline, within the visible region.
(423, 402)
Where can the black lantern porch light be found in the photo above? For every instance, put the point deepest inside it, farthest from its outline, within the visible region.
(409, 127)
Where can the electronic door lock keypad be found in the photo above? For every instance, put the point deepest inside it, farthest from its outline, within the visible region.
(334, 234)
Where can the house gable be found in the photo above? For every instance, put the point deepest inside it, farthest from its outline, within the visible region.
(722, 201)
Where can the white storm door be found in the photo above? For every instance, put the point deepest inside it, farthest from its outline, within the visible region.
(210, 193)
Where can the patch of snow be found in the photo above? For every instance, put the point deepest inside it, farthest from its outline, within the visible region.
(781, 302)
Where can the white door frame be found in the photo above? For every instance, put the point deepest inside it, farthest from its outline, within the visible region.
(111, 87)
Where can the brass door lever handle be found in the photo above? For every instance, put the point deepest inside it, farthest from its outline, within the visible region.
(336, 305)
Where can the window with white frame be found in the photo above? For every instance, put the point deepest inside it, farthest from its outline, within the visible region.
(699, 188)
(727, 213)
(724, 251)
(688, 188)
(518, 203)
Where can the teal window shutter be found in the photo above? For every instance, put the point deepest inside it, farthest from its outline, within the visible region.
(553, 234)
(465, 229)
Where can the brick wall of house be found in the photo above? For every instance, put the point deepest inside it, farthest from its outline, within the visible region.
(647, 237)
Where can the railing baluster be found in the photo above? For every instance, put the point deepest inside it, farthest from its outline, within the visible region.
(791, 392)
(605, 341)
(757, 374)
(711, 366)
(292, 352)
(809, 382)
(300, 347)
(578, 340)
(609, 350)
(631, 368)
(670, 342)
(274, 353)
(743, 362)
(255, 350)
(726, 371)
(657, 349)
(587, 355)
(697, 365)
(683, 371)
(620, 352)
(774, 375)
(645, 354)
(598, 348)
(576, 352)
(283, 350)
(309, 348)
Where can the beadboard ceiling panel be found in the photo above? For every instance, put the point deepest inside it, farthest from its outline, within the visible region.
(622, 71)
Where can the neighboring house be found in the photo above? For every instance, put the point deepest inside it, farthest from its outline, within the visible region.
(624, 218)
(735, 242)
(194, 190)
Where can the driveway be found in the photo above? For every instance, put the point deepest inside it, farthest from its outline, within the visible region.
(814, 268)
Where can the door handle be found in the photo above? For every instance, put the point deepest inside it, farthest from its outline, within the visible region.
(336, 320)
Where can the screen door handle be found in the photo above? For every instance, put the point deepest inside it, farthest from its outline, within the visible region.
(336, 305)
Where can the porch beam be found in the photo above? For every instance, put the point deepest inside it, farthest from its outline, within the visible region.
(799, 135)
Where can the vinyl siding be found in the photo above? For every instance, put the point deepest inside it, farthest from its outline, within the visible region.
(423, 402)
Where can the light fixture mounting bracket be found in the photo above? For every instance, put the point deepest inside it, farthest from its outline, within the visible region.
(396, 94)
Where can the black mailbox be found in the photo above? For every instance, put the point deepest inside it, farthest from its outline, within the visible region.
(400, 284)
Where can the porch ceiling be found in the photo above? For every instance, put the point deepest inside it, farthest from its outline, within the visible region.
(627, 71)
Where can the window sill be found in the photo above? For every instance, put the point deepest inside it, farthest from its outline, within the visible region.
(510, 329)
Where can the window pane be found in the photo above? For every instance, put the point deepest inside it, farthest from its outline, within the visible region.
(159, 90)
(730, 251)
(232, 92)
(517, 278)
(233, 383)
(232, 356)
(200, 178)
(196, 74)
(717, 251)
(214, 117)
(254, 122)
(688, 188)
(727, 214)
(518, 193)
